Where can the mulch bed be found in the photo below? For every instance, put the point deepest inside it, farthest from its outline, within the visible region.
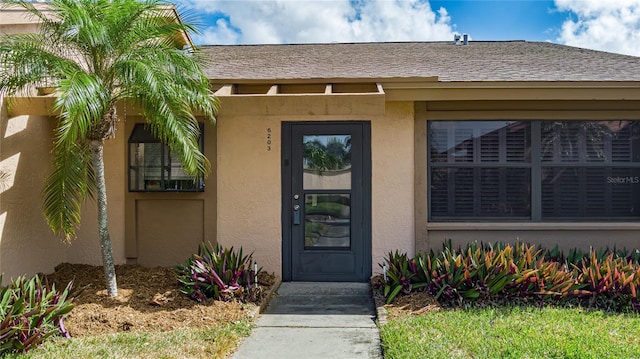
(148, 300)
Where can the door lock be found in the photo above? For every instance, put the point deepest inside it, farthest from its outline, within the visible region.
(296, 214)
(296, 196)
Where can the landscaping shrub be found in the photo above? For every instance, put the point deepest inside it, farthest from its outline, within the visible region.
(30, 313)
(403, 275)
(611, 281)
(576, 256)
(218, 273)
(480, 272)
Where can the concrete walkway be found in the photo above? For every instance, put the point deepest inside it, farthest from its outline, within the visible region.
(315, 320)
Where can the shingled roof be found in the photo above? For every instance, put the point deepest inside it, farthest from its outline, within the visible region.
(477, 61)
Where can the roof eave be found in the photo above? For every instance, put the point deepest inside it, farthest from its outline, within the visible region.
(513, 90)
(317, 80)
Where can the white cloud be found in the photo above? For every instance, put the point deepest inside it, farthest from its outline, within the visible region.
(222, 33)
(609, 25)
(309, 21)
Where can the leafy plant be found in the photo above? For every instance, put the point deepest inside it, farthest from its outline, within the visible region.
(219, 273)
(401, 275)
(612, 281)
(30, 313)
(603, 278)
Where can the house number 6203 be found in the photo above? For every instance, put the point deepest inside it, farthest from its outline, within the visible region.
(268, 138)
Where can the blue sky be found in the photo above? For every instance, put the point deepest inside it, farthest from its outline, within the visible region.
(608, 25)
(505, 20)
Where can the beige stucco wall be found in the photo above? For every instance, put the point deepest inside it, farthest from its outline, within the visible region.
(27, 245)
(249, 187)
(168, 230)
(392, 182)
(547, 238)
(249, 182)
(15, 20)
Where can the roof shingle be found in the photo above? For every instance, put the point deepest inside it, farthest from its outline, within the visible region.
(478, 61)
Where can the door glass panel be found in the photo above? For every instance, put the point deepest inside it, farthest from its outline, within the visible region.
(326, 162)
(327, 220)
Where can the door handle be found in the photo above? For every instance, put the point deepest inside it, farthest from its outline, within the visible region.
(296, 214)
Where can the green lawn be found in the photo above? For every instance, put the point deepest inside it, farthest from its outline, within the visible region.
(215, 342)
(518, 332)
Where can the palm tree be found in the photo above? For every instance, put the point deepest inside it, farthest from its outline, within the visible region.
(97, 53)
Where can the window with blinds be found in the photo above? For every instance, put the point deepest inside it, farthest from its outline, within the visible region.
(590, 169)
(534, 170)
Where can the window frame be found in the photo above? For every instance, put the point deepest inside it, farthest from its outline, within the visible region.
(536, 164)
(142, 131)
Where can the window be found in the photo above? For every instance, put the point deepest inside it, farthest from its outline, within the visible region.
(153, 168)
(534, 170)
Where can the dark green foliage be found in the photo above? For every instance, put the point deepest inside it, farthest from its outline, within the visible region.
(482, 272)
(334, 155)
(402, 275)
(30, 313)
(218, 273)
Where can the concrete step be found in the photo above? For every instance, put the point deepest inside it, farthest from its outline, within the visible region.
(315, 320)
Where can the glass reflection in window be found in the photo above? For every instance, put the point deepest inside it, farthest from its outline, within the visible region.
(327, 220)
(326, 162)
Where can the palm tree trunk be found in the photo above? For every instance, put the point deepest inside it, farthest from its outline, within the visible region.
(97, 156)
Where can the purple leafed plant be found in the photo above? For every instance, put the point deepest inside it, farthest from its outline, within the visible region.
(217, 273)
(606, 279)
(30, 313)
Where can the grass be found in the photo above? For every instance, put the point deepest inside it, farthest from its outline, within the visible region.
(513, 332)
(215, 342)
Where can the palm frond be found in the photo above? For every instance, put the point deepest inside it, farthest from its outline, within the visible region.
(25, 60)
(82, 104)
(169, 96)
(66, 189)
(175, 126)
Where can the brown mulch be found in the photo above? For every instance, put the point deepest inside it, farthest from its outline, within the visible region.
(148, 299)
(414, 303)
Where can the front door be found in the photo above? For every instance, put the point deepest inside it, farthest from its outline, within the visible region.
(326, 201)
